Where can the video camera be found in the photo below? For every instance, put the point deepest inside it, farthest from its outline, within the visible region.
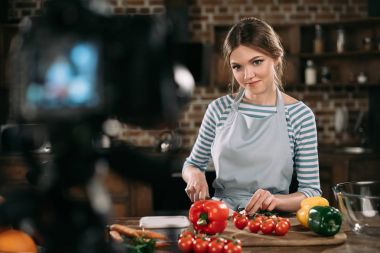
(79, 64)
(73, 69)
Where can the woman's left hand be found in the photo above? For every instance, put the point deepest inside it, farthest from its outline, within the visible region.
(261, 199)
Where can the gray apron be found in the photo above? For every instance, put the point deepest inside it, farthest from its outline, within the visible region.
(251, 153)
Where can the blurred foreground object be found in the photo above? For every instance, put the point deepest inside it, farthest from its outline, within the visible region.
(16, 241)
(74, 68)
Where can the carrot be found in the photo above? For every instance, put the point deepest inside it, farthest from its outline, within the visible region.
(129, 232)
(116, 236)
(151, 234)
(161, 244)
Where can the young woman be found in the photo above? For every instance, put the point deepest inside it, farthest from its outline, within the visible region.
(258, 136)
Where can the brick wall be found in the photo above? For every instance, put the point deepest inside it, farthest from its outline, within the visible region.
(204, 15)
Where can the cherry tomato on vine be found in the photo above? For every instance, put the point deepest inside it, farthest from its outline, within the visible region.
(216, 246)
(235, 214)
(284, 219)
(219, 239)
(254, 226)
(186, 233)
(282, 228)
(200, 245)
(260, 218)
(267, 226)
(240, 221)
(185, 244)
(201, 236)
(232, 248)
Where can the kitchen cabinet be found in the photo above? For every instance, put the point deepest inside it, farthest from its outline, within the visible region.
(129, 197)
(350, 60)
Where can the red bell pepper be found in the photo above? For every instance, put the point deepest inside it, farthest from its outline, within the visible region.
(209, 216)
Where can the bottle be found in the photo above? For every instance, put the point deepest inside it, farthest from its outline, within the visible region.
(367, 43)
(318, 41)
(310, 73)
(325, 74)
(340, 41)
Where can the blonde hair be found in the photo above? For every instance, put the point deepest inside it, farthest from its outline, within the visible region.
(255, 33)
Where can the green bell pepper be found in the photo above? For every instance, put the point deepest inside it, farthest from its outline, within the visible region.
(325, 220)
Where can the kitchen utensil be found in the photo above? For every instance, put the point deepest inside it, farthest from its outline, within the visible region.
(359, 203)
(171, 226)
(341, 119)
(169, 141)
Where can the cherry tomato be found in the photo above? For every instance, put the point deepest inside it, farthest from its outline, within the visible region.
(201, 236)
(186, 233)
(200, 245)
(254, 226)
(261, 218)
(285, 219)
(240, 221)
(185, 244)
(219, 239)
(267, 226)
(232, 248)
(216, 246)
(235, 214)
(282, 228)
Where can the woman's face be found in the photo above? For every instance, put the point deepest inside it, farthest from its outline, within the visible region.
(253, 70)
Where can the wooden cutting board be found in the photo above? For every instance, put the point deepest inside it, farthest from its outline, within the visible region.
(296, 236)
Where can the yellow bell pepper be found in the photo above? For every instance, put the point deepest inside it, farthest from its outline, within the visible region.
(306, 205)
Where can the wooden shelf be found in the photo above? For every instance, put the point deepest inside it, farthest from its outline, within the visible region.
(298, 42)
(332, 84)
(372, 53)
(329, 86)
(351, 22)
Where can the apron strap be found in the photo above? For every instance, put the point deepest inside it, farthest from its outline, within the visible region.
(238, 98)
(280, 103)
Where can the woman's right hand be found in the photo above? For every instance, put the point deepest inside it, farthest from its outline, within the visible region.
(197, 187)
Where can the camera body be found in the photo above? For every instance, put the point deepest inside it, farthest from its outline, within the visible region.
(78, 64)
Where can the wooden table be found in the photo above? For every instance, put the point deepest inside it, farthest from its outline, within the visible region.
(354, 244)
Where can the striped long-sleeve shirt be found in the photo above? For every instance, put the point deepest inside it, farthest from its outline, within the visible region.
(302, 137)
